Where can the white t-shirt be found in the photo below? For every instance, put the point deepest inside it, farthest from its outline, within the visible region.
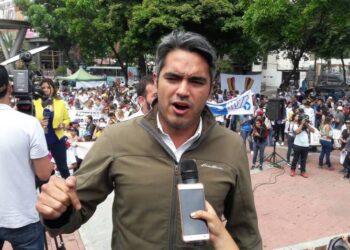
(21, 139)
(301, 139)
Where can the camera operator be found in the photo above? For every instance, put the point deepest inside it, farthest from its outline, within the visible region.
(23, 155)
(301, 144)
(53, 116)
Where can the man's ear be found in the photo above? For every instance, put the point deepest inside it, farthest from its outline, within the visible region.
(9, 88)
(141, 100)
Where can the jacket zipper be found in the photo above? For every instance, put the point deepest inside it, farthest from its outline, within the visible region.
(173, 228)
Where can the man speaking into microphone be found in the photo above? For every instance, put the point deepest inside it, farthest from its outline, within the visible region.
(140, 161)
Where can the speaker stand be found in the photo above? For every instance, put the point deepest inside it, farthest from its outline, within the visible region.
(272, 158)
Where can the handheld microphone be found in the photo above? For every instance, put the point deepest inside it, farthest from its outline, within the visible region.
(189, 172)
(191, 198)
(46, 115)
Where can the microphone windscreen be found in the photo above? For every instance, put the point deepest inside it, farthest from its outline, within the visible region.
(189, 170)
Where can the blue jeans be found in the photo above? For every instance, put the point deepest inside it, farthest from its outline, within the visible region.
(259, 147)
(290, 146)
(326, 149)
(269, 139)
(245, 135)
(59, 153)
(300, 154)
(30, 237)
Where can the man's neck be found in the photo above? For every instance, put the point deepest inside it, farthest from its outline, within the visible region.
(178, 136)
(5, 100)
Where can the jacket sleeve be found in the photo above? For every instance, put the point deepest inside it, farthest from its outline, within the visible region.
(66, 119)
(93, 186)
(240, 211)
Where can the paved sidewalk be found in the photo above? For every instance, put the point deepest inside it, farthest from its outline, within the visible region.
(296, 210)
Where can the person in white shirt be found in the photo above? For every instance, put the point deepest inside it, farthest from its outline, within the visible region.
(301, 145)
(310, 112)
(24, 154)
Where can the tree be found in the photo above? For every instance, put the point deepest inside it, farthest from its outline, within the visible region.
(285, 25)
(94, 27)
(334, 40)
(49, 18)
(218, 20)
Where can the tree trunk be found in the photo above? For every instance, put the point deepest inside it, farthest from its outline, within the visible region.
(343, 66)
(142, 65)
(315, 70)
(121, 63)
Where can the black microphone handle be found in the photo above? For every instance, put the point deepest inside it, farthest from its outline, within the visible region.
(189, 172)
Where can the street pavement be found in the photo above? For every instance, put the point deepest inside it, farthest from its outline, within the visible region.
(293, 212)
(300, 213)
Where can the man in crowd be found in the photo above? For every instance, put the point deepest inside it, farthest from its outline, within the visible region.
(139, 160)
(146, 92)
(23, 155)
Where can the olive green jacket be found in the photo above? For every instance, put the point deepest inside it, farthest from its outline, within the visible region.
(131, 159)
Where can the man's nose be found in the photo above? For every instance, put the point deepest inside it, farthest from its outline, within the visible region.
(183, 88)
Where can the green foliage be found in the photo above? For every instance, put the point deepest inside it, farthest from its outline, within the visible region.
(334, 40)
(295, 27)
(224, 66)
(218, 20)
(61, 70)
(241, 30)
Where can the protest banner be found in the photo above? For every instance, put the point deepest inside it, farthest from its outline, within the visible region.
(241, 83)
(80, 115)
(241, 105)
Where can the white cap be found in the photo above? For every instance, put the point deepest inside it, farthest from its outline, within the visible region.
(339, 108)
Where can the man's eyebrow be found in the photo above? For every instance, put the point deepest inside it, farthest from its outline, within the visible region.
(172, 74)
(191, 78)
(197, 78)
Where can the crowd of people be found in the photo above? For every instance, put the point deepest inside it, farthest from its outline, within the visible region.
(301, 115)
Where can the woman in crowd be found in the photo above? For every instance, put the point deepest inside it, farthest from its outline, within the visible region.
(246, 128)
(53, 115)
(326, 142)
(290, 134)
(259, 136)
(90, 127)
(301, 145)
(99, 128)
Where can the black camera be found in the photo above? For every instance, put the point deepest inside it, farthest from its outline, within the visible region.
(23, 88)
(305, 118)
(26, 57)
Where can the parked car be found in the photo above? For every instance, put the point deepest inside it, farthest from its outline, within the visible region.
(334, 92)
(331, 80)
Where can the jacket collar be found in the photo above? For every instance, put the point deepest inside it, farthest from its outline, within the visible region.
(149, 123)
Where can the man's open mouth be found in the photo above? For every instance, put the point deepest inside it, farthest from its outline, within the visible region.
(181, 106)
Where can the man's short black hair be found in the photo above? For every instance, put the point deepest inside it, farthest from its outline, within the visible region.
(141, 86)
(4, 81)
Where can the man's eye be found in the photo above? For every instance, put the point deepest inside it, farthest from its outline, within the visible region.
(172, 78)
(198, 82)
